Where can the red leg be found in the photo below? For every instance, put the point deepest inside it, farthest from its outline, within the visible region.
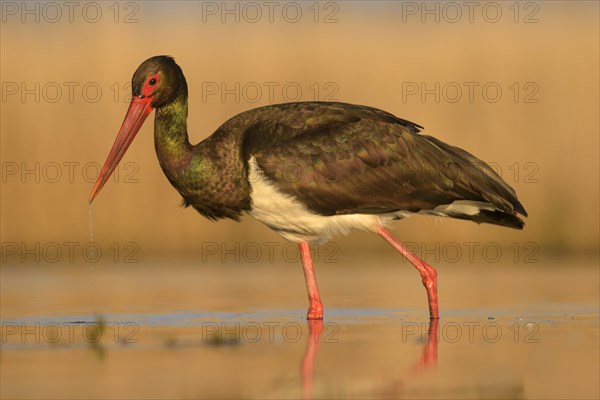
(315, 307)
(428, 273)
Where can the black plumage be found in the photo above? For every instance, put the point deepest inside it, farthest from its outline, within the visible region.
(339, 158)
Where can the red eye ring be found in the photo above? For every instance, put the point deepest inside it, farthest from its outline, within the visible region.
(150, 84)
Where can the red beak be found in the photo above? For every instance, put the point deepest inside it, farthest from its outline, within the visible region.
(139, 109)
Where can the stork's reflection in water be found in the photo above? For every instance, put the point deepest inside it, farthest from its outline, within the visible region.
(390, 388)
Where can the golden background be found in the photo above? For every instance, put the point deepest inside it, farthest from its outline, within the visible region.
(547, 149)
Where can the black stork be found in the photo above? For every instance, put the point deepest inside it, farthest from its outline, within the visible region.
(309, 170)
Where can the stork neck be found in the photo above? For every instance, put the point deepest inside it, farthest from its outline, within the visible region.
(170, 132)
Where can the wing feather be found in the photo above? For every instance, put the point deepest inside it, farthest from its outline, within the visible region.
(339, 158)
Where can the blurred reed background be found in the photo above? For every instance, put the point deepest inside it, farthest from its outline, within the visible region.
(375, 52)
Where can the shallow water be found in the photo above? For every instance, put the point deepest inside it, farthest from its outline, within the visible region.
(239, 331)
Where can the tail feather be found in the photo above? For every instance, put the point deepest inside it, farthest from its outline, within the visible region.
(495, 217)
(479, 212)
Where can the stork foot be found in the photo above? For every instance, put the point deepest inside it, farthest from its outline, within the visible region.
(315, 311)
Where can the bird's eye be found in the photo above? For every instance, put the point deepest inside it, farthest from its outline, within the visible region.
(152, 82)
